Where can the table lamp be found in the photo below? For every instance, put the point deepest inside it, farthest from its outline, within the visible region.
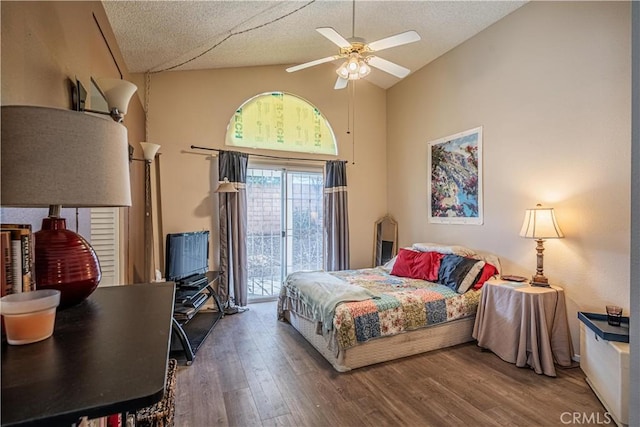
(53, 157)
(540, 224)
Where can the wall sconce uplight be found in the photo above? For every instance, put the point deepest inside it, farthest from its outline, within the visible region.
(116, 92)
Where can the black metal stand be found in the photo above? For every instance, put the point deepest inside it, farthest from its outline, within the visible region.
(193, 328)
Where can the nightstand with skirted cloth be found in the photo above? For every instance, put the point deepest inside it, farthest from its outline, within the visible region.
(525, 325)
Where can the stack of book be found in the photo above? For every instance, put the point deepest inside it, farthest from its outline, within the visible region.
(183, 312)
(16, 259)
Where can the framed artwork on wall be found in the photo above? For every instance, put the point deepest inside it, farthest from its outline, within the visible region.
(454, 165)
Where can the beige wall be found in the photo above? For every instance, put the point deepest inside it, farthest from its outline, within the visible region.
(551, 86)
(194, 107)
(45, 45)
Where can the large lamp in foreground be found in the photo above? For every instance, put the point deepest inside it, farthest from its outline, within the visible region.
(53, 157)
(540, 224)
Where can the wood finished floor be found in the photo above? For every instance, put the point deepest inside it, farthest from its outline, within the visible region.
(256, 371)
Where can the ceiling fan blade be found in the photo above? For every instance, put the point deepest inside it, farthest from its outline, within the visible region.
(312, 63)
(388, 67)
(333, 35)
(341, 83)
(393, 41)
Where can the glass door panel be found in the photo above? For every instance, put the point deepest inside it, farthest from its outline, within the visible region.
(284, 227)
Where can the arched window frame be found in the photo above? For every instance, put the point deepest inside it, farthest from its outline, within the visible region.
(281, 121)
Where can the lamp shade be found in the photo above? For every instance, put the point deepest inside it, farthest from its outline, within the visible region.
(540, 223)
(62, 157)
(53, 157)
(149, 150)
(226, 187)
(117, 92)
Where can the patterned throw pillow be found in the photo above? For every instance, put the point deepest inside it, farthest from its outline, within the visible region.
(459, 273)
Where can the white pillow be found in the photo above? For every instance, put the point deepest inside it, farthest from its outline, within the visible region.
(489, 259)
(388, 266)
(443, 249)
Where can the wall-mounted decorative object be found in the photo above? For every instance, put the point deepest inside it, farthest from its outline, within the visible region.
(454, 165)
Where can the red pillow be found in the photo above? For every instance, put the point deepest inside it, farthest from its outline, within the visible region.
(417, 265)
(426, 266)
(487, 271)
(404, 263)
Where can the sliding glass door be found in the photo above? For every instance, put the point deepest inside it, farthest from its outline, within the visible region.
(284, 226)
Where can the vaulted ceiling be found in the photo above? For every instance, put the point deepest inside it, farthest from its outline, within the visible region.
(161, 35)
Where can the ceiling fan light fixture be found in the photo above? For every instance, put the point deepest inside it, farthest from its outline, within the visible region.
(363, 69)
(353, 63)
(342, 71)
(354, 68)
(357, 58)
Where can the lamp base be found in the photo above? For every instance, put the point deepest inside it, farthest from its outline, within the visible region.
(539, 281)
(539, 284)
(234, 310)
(65, 261)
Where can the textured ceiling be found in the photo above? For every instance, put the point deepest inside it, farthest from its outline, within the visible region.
(158, 35)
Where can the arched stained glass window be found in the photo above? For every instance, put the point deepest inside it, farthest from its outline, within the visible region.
(281, 121)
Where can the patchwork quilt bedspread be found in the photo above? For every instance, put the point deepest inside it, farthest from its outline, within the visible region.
(401, 304)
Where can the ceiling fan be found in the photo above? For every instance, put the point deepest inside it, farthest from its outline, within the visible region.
(359, 56)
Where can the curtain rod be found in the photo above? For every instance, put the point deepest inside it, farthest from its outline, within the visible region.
(195, 147)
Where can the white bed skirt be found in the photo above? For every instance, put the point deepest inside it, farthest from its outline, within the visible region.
(385, 348)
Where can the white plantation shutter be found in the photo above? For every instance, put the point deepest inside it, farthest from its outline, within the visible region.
(105, 239)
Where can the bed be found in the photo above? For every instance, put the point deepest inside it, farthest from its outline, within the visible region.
(423, 299)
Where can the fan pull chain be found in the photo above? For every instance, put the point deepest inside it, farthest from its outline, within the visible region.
(353, 118)
(348, 109)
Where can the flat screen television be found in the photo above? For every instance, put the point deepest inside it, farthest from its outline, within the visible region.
(187, 254)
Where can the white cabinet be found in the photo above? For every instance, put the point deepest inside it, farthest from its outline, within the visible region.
(606, 364)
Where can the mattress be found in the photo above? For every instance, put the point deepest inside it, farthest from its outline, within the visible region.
(405, 317)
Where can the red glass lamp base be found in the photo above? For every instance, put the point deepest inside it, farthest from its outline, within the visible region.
(65, 261)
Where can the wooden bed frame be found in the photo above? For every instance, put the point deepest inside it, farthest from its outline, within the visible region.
(385, 348)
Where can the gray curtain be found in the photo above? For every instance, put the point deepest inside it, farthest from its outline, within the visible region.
(336, 217)
(233, 229)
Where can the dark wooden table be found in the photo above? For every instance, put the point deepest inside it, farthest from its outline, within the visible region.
(107, 355)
